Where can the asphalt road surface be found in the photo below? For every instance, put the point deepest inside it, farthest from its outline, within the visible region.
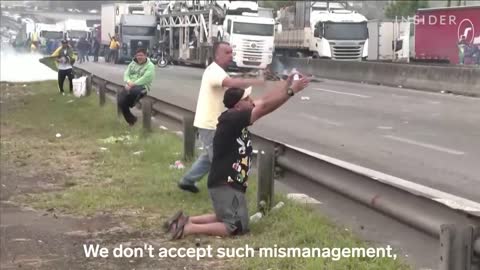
(429, 138)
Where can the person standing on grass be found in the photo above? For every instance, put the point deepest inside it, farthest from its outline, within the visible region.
(232, 156)
(209, 107)
(65, 59)
(138, 78)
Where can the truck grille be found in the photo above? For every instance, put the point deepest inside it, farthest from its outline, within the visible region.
(134, 45)
(344, 52)
(251, 46)
(251, 63)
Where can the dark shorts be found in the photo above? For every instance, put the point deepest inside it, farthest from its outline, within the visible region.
(230, 207)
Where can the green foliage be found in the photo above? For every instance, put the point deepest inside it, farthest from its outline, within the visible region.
(404, 8)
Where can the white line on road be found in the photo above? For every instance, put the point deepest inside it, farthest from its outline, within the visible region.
(445, 198)
(342, 93)
(426, 145)
(323, 120)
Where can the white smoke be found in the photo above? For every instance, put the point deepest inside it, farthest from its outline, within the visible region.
(23, 67)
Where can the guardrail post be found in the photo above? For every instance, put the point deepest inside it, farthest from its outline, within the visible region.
(118, 93)
(456, 247)
(101, 92)
(89, 85)
(147, 114)
(188, 137)
(266, 172)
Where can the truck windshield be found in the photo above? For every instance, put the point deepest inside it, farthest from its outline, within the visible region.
(138, 31)
(77, 34)
(253, 29)
(346, 31)
(52, 34)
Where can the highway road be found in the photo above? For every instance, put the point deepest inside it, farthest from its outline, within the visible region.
(432, 139)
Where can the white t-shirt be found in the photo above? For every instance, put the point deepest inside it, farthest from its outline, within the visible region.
(210, 99)
(64, 63)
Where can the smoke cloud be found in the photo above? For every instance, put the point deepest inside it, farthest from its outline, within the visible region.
(23, 67)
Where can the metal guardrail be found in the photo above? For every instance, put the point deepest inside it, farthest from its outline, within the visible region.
(458, 231)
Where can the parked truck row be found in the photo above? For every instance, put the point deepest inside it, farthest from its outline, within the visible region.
(318, 29)
(188, 30)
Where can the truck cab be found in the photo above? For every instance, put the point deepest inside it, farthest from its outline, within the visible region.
(74, 30)
(48, 34)
(250, 33)
(404, 46)
(321, 29)
(338, 33)
(135, 31)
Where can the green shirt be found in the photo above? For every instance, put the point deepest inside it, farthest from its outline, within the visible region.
(142, 75)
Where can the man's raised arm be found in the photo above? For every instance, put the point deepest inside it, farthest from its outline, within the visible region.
(241, 83)
(274, 98)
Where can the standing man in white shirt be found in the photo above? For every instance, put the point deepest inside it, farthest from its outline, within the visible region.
(215, 81)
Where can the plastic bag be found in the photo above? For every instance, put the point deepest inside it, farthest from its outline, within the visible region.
(80, 86)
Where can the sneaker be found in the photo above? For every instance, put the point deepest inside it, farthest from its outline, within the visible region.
(189, 188)
(63, 93)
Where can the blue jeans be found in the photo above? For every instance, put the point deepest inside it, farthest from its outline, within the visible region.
(202, 165)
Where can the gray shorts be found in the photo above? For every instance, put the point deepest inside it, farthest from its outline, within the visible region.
(230, 207)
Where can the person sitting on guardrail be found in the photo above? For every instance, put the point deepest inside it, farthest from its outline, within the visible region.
(209, 107)
(65, 59)
(138, 78)
(232, 157)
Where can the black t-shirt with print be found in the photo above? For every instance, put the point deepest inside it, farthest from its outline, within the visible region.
(232, 150)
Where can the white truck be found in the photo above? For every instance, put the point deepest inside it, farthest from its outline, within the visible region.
(74, 29)
(383, 36)
(193, 27)
(132, 24)
(321, 29)
(47, 34)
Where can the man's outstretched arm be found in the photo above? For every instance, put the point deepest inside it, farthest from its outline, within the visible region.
(274, 98)
(241, 83)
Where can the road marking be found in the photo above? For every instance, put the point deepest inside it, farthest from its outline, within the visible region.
(302, 198)
(323, 120)
(20, 240)
(342, 93)
(426, 145)
(385, 127)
